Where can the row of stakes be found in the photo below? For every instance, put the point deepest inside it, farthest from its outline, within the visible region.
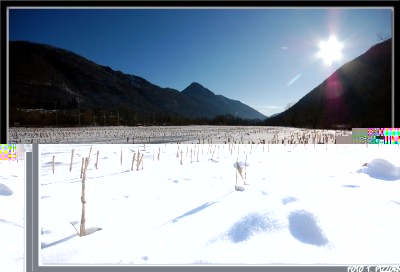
(139, 161)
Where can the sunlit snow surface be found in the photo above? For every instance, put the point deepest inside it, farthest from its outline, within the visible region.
(12, 200)
(303, 205)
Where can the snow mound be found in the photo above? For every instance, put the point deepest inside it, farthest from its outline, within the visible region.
(4, 190)
(381, 169)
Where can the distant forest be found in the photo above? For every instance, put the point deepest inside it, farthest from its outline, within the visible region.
(122, 117)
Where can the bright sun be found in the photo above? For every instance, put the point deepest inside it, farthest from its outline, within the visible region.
(330, 50)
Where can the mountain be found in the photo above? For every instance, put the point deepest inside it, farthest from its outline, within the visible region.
(275, 114)
(358, 94)
(218, 104)
(49, 78)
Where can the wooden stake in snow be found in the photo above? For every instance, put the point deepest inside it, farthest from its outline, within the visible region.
(139, 160)
(90, 152)
(83, 163)
(181, 157)
(72, 157)
(53, 163)
(191, 156)
(212, 156)
(133, 160)
(159, 151)
(83, 218)
(97, 159)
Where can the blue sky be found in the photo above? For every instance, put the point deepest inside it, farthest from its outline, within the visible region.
(266, 58)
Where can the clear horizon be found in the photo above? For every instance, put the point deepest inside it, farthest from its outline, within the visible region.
(265, 58)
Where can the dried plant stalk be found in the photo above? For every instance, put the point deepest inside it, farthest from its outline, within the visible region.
(212, 156)
(239, 169)
(83, 163)
(72, 158)
(97, 159)
(90, 152)
(133, 160)
(139, 161)
(83, 218)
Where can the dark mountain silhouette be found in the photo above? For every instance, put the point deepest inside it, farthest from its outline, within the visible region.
(218, 104)
(358, 94)
(275, 114)
(45, 77)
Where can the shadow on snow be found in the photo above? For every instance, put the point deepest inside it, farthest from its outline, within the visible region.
(251, 224)
(191, 212)
(195, 210)
(303, 226)
(351, 186)
(4, 190)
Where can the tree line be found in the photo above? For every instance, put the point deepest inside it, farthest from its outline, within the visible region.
(122, 117)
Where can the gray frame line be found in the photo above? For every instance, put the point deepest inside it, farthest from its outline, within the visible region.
(35, 207)
(28, 211)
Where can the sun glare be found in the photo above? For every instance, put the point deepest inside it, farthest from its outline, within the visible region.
(330, 50)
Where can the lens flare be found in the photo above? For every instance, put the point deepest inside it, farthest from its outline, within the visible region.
(330, 50)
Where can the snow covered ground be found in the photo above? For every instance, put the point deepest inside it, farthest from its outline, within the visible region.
(12, 201)
(304, 204)
(172, 134)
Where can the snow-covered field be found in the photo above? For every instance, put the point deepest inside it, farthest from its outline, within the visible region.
(304, 204)
(172, 134)
(12, 201)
